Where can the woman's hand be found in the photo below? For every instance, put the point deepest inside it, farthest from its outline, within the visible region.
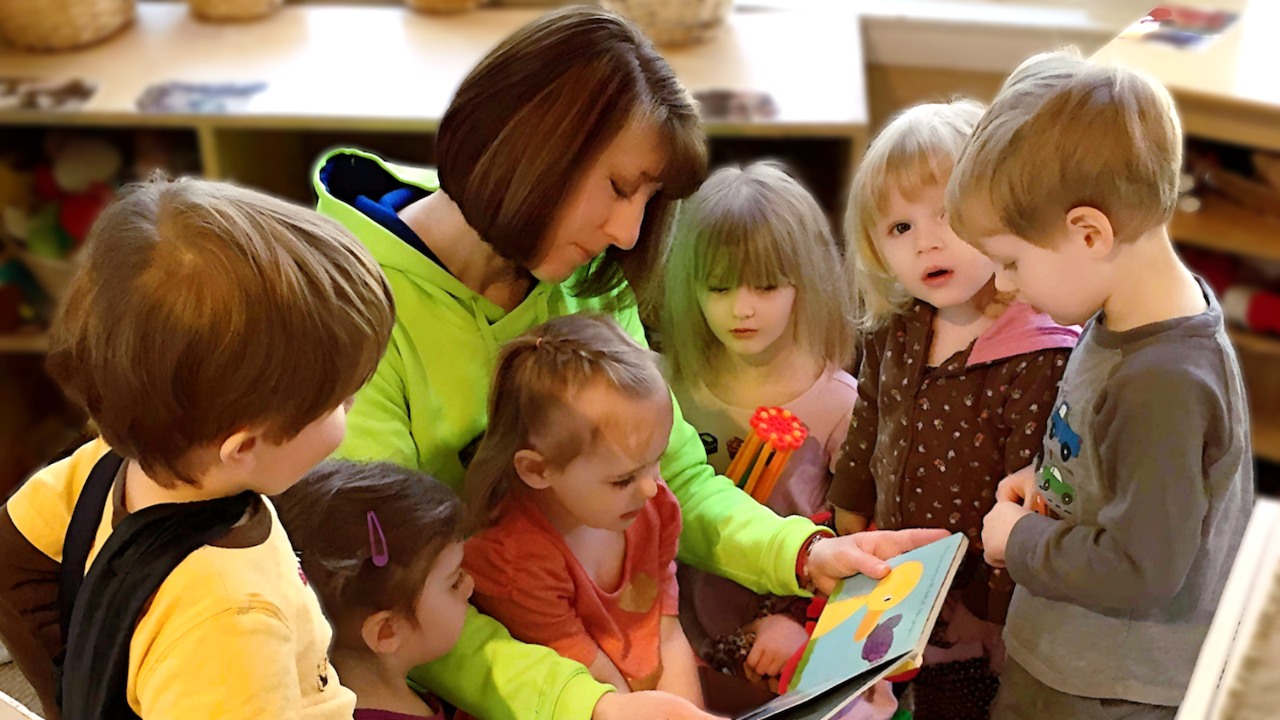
(651, 705)
(778, 637)
(834, 559)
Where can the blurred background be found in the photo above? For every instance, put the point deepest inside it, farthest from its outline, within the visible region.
(95, 93)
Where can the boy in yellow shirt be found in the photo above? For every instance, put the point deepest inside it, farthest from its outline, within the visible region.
(215, 337)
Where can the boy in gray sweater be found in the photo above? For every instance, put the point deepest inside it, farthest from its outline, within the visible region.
(1121, 535)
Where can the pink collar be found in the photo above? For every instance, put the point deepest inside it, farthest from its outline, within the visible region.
(1018, 331)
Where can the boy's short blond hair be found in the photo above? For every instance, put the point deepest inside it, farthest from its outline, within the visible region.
(202, 309)
(916, 150)
(1065, 133)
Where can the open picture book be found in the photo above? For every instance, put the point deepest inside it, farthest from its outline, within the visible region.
(868, 630)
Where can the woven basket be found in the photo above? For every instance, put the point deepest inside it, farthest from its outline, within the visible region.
(674, 22)
(222, 10)
(443, 6)
(62, 24)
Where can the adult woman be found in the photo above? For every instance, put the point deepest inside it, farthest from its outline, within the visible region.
(560, 161)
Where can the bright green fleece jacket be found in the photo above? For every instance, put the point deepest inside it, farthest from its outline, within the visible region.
(427, 401)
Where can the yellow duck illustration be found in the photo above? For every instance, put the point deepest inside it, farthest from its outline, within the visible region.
(893, 589)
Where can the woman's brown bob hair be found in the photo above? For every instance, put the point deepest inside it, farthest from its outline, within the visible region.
(533, 115)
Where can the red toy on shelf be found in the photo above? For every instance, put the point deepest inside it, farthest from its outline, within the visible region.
(775, 434)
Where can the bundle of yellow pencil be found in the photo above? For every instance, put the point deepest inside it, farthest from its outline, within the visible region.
(775, 434)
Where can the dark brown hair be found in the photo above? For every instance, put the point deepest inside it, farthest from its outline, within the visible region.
(203, 308)
(536, 377)
(326, 517)
(533, 115)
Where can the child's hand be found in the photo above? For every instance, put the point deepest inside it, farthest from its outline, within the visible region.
(650, 704)
(1019, 487)
(996, 527)
(778, 637)
(848, 523)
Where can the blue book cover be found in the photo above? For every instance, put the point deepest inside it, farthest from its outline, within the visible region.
(868, 628)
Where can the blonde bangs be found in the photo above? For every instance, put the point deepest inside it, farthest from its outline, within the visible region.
(754, 227)
(917, 150)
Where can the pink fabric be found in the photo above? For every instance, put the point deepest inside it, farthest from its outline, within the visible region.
(1020, 330)
(968, 638)
(528, 579)
(877, 703)
(716, 606)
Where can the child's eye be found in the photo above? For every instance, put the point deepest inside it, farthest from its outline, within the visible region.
(717, 290)
(625, 482)
(900, 228)
(767, 288)
(618, 191)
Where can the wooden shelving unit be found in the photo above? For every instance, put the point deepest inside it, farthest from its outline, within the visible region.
(1224, 226)
(317, 96)
(1260, 357)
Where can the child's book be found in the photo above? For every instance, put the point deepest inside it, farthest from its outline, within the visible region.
(868, 629)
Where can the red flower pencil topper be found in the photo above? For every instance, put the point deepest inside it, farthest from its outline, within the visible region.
(776, 434)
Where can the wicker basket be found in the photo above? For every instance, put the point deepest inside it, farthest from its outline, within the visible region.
(224, 10)
(674, 22)
(443, 6)
(62, 24)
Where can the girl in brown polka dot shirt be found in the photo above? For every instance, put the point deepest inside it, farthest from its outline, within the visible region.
(955, 388)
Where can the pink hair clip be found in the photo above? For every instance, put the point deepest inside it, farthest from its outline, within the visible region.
(378, 542)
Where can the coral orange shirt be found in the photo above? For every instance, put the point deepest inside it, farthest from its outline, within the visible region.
(529, 580)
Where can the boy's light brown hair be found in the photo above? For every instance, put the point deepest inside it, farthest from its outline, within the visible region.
(202, 309)
(1065, 133)
(534, 383)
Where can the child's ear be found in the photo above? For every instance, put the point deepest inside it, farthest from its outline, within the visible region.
(1091, 225)
(380, 632)
(534, 469)
(237, 450)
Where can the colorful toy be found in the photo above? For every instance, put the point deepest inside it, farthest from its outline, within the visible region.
(775, 434)
(48, 210)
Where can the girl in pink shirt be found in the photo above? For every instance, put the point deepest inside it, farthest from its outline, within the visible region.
(758, 311)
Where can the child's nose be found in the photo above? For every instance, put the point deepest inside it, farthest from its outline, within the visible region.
(930, 237)
(649, 487)
(742, 305)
